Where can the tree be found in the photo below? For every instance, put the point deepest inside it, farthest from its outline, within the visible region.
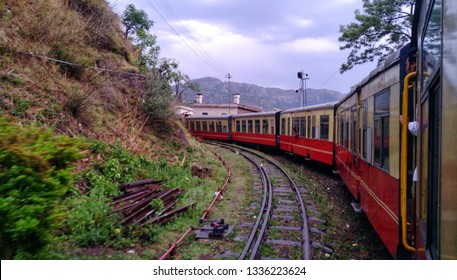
(182, 83)
(382, 27)
(134, 20)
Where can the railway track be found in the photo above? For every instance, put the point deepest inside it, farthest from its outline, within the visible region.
(280, 229)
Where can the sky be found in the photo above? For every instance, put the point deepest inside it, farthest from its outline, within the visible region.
(260, 42)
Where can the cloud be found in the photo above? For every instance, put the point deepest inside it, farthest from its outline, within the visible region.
(311, 45)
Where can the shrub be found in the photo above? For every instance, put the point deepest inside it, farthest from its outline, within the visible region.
(35, 173)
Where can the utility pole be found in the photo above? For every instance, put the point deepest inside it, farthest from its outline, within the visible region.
(229, 90)
(303, 77)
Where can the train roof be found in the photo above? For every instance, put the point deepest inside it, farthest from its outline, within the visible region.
(311, 108)
(259, 114)
(207, 117)
(387, 63)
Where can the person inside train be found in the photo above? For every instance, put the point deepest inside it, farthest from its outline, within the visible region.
(413, 126)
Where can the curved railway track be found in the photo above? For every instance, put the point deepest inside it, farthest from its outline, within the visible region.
(281, 223)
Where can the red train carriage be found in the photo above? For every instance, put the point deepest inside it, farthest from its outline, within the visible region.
(255, 128)
(308, 132)
(209, 127)
(367, 146)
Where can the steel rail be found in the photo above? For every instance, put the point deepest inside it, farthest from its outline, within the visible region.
(306, 243)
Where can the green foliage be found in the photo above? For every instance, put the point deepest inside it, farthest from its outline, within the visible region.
(20, 107)
(34, 175)
(158, 99)
(383, 27)
(89, 221)
(135, 20)
(157, 204)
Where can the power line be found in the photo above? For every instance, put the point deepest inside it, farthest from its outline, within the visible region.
(185, 35)
(29, 53)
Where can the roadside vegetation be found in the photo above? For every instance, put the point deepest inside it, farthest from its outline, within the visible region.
(86, 104)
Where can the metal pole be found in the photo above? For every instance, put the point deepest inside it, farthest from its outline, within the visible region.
(229, 77)
(306, 102)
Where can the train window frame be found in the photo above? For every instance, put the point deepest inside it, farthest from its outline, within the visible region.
(238, 126)
(257, 126)
(381, 127)
(303, 126)
(204, 126)
(265, 126)
(272, 126)
(314, 130)
(324, 127)
(296, 125)
(430, 60)
(365, 151)
(353, 140)
(288, 126)
(308, 123)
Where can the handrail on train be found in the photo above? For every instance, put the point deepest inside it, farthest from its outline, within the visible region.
(403, 165)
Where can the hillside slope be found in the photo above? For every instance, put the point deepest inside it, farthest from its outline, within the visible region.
(56, 58)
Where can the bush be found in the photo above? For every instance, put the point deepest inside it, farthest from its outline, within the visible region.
(35, 173)
(89, 220)
(158, 100)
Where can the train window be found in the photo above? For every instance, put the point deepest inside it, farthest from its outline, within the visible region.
(211, 126)
(288, 126)
(250, 127)
(364, 128)
(283, 126)
(238, 128)
(303, 126)
(381, 129)
(341, 129)
(431, 43)
(243, 126)
(204, 126)
(219, 126)
(257, 126)
(192, 126)
(354, 129)
(296, 126)
(224, 128)
(346, 130)
(309, 126)
(324, 120)
(314, 129)
(265, 126)
(272, 126)
(198, 126)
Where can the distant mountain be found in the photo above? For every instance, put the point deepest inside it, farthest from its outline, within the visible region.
(216, 91)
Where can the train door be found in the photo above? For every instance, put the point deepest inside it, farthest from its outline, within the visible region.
(430, 207)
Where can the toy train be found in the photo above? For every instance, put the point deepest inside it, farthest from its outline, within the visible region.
(405, 184)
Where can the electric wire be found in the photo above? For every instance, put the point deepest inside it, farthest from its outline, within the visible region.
(168, 15)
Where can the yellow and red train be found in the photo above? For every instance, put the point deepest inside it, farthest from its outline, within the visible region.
(406, 184)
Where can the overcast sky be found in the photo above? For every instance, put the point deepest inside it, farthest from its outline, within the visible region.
(260, 42)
